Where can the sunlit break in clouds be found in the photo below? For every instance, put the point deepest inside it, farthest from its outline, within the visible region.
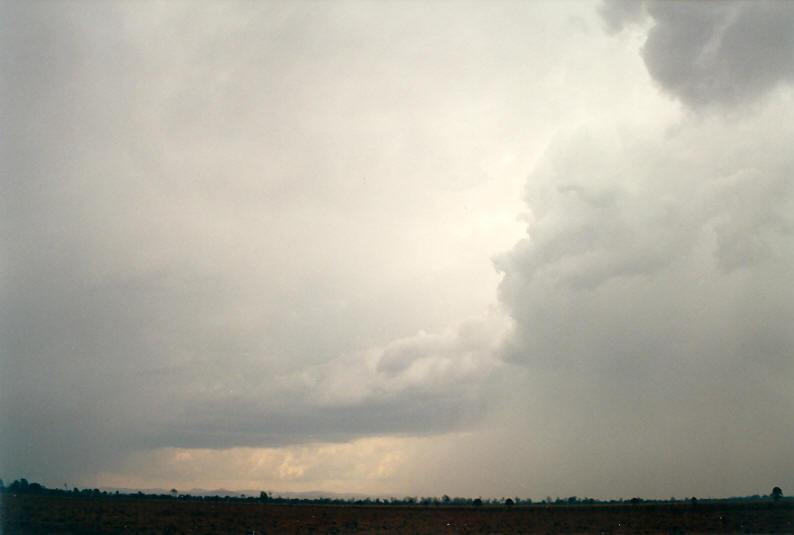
(467, 248)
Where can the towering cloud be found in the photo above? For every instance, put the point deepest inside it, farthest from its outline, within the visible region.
(653, 289)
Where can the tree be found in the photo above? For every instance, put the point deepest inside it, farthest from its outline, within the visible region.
(445, 498)
(777, 493)
(509, 502)
(477, 502)
(19, 485)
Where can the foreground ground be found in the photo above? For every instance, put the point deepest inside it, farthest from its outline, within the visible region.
(32, 514)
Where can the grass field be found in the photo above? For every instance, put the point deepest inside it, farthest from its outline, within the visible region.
(35, 514)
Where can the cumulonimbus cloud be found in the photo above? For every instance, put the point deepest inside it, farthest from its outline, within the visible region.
(653, 292)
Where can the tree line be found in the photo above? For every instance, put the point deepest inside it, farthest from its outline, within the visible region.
(22, 486)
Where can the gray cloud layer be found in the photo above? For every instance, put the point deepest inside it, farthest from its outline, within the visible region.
(218, 217)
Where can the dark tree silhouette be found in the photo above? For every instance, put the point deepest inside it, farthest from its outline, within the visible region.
(777, 493)
(509, 502)
(19, 485)
(477, 502)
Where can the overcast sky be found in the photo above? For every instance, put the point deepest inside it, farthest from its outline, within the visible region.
(403, 248)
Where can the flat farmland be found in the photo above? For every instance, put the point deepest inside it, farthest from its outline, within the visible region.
(37, 514)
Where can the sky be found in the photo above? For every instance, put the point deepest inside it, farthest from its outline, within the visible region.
(398, 248)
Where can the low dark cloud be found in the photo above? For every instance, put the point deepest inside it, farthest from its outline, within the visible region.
(725, 53)
(219, 426)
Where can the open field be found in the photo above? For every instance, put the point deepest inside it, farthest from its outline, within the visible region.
(31, 514)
